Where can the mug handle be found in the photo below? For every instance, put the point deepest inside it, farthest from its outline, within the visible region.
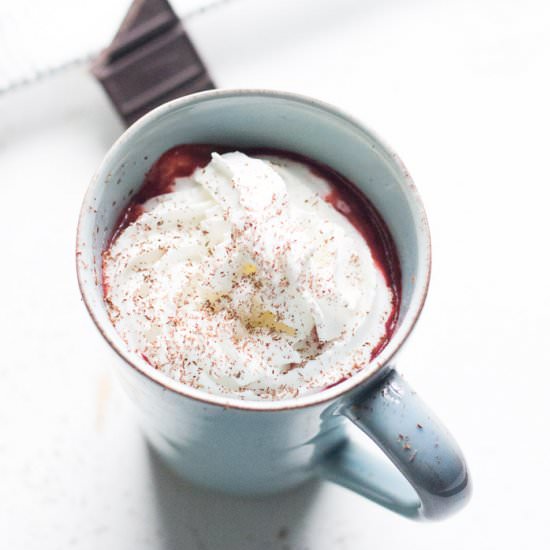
(431, 480)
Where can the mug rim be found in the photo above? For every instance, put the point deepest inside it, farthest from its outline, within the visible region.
(316, 398)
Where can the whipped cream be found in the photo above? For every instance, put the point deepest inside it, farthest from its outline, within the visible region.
(244, 282)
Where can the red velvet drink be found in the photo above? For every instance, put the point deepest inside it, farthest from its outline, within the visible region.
(260, 274)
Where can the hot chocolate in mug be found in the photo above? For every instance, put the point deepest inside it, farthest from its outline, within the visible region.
(258, 447)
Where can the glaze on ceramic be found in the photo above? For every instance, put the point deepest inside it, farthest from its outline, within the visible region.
(257, 447)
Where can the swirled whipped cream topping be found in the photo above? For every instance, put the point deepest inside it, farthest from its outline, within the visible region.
(244, 282)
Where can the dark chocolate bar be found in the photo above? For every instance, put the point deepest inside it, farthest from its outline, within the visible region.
(150, 60)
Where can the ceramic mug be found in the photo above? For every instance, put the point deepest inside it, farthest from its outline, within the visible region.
(258, 447)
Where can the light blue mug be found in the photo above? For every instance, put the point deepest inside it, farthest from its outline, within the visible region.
(256, 447)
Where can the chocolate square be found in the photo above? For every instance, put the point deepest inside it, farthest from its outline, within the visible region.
(150, 60)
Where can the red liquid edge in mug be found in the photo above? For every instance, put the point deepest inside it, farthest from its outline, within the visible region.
(345, 196)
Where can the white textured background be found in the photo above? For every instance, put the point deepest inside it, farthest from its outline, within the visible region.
(461, 90)
(39, 37)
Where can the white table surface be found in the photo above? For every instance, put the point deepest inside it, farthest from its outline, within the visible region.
(461, 90)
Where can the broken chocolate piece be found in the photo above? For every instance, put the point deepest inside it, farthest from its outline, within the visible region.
(150, 60)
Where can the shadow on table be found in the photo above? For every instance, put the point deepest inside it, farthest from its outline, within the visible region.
(191, 518)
